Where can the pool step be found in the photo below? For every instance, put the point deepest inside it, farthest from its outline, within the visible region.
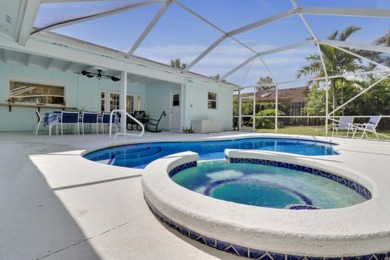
(148, 151)
(136, 159)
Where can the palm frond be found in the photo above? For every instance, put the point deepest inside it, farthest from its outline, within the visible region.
(333, 35)
(384, 40)
(348, 32)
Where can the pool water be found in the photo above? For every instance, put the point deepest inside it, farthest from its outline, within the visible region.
(140, 155)
(266, 186)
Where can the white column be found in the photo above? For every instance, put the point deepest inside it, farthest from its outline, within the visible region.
(122, 103)
(254, 111)
(327, 105)
(239, 110)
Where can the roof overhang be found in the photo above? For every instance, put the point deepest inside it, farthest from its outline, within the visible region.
(61, 47)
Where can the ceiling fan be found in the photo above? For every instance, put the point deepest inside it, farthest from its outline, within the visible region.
(98, 75)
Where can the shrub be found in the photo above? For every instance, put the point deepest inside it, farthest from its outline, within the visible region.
(263, 121)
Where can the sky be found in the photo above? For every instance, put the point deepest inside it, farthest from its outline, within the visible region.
(179, 34)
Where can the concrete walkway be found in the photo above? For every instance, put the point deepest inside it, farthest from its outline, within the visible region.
(57, 205)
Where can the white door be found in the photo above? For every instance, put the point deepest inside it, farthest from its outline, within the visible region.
(175, 111)
(109, 101)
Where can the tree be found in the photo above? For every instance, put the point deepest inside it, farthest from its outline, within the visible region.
(265, 83)
(177, 64)
(246, 106)
(376, 100)
(315, 101)
(246, 109)
(336, 61)
(385, 41)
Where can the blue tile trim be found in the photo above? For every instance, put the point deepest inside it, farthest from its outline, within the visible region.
(360, 189)
(182, 167)
(246, 251)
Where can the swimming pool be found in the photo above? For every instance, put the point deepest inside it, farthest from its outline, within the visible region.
(140, 155)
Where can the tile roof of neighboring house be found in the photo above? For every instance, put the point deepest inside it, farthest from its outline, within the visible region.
(288, 95)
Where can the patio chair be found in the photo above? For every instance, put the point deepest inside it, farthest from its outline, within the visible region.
(140, 116)
(40, 122)
(367, 127)
(49, 120)
(71, 119)
(345, 124)
(105, 122)
(90, 119)
(152, 124)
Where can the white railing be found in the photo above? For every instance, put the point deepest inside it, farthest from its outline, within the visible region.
(131, 117)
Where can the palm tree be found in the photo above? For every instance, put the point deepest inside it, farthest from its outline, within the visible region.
(265, 83)
(385, 41)
(177, 64)
(336, 61)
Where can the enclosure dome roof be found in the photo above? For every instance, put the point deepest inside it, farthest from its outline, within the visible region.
(227, 40)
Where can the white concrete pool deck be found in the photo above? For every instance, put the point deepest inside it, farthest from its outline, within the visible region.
(57, 205)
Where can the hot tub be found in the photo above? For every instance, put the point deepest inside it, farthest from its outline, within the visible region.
(253, 231)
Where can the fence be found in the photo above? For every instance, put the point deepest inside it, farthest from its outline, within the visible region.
(318, 123)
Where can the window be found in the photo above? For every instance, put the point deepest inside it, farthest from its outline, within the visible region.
(176, 100)
(36, 93)
(212, 100)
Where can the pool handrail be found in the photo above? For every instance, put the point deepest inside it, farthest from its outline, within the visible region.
(133, 118)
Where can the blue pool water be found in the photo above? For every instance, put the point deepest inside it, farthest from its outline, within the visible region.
(266, 186)
(140, 155)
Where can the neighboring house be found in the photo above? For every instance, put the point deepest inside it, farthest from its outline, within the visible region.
(291, 101)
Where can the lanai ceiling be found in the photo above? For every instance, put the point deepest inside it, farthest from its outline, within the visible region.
(237, 40)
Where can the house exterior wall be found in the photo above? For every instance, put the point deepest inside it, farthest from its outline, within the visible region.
(80, 93)
(196, 98)
(83, 93)
(193, 102)
(157, 100)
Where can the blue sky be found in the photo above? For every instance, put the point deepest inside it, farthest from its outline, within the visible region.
(181, 35)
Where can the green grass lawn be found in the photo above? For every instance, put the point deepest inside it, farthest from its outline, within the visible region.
(318, 131)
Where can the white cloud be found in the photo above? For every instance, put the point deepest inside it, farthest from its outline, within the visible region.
(222, 59)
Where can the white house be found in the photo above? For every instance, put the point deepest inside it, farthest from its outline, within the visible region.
(182, 97)
(45, 72)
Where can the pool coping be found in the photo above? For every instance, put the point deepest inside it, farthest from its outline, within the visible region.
(351, 231)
